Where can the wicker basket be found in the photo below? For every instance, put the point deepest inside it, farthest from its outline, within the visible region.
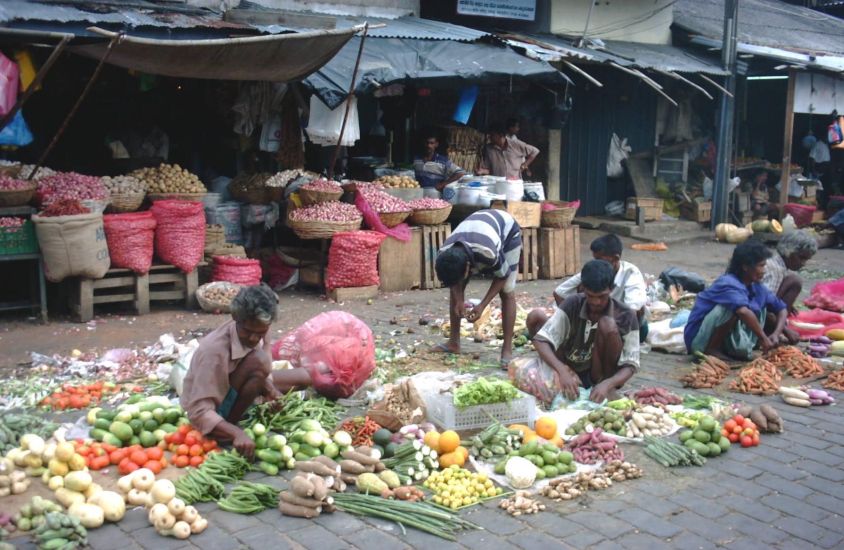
(310, 196)
(320, 229)
(152, 197)
(10, 170)
(17, 197)
(430, 217)
(560, 217)
(126, 202)
(392, 219)
(209, 305)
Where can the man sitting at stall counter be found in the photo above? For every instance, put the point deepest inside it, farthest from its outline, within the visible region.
(591, 340)
(629, 283)
(507, 157)
(488, 242)
(231, 368)
(434, 170)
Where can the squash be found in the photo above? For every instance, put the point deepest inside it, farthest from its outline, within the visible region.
(89, 515)
(738, 235)
(721, 231)
(835, 334)
(78, 481)
(776, 227)
(760, 226)
(111, 503)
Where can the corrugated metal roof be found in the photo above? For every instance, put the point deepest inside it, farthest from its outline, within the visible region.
(768, 23)
(415, 27)
(23, 10)
(627, 54)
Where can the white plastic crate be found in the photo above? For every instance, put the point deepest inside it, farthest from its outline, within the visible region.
(441, 411)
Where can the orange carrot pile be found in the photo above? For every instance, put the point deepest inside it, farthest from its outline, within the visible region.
(794, 362)
(760, 377)
(835, 381)
(650, 247)
(710, 372)
(361, 429)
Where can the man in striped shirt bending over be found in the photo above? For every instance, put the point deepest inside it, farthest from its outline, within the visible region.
(488, 242)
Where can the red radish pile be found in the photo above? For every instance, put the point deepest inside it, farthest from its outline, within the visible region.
(70, 185)
(8, 221)
(331, 211)
(322, 184)
(594, 446)
(64, 207)
(382, 202)
(656, 396)
(12, 184)
(428, 204)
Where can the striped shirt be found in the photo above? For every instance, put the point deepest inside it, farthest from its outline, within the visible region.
(493, 240)
(430, 173)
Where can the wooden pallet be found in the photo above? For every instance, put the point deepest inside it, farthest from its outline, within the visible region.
(117, 286)
(433, 237)
(529, 262)
(559, 252)
(353, 293)
(168, 283)
(400, 263)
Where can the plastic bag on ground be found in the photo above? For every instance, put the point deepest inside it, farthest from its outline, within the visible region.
(336, 348)
(829, 296)
(815, 322)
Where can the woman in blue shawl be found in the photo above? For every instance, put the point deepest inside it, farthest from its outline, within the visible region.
(737, 313)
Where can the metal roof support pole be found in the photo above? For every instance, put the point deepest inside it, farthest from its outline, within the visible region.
(726, 118)
(348, 104)
(788, 135)
(36, 82)
(114, 40)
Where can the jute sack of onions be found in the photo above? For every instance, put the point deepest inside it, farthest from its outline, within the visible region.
(73, 246)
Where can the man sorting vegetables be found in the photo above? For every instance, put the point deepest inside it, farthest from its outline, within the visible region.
(591, 341)
(231, 368)
(488, 242)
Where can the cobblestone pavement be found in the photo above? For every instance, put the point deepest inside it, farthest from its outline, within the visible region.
(786, 493)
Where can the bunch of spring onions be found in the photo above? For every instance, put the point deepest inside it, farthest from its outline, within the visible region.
(419, 515)
(412, 461)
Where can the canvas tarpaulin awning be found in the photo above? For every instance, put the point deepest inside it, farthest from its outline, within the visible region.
(388, 60)
(274, 58)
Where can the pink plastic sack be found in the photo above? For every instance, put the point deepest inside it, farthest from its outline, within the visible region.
(829, 296)
(9, 74)
(827, 319)
(180, 234)
(241, 271)
(353, 259)
(370, 217)
(336, 347)
(130, 240)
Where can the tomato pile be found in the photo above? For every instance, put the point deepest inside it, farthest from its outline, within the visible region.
(128, 459)
(188, 446)
(81, 396)
(741, 430)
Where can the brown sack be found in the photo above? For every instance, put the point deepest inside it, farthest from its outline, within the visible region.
(73, 246)
(401, 406)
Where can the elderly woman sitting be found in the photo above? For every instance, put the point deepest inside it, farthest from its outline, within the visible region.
(231, 368)
(793, 251)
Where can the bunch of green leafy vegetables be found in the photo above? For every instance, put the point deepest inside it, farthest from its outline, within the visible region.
(483, 391)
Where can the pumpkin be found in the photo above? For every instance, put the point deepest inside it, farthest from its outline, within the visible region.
(722, 229)
(776, 227)
(739, 235)
(546, 427)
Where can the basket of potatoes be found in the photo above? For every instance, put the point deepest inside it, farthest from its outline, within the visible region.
(217, 297)
(170, 182)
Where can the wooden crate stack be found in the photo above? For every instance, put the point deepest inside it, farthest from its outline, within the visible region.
(433, 237)
(559, 252)
(465, 146)
(529, 262)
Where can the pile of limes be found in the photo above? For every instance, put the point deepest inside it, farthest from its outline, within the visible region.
(454, 487)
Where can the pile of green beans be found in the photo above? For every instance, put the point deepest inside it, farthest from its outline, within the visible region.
(206, 483)
(286, 413)
(249, 498)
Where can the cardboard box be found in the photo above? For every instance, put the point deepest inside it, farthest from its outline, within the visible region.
(526, 214)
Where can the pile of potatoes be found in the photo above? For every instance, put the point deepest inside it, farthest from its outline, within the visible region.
(398, 182)
(169, 178)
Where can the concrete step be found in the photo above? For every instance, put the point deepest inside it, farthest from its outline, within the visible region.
(670, 231)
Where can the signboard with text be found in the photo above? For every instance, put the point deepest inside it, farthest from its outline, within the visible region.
(505, 9)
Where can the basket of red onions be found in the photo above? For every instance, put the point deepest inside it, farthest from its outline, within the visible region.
(320, 190)
(429, 211)
(323, 220)
(15, 192)
(392, 210)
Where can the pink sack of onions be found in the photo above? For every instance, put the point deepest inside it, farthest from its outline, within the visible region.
(353, 259)
(241, 271)
(180, 233)
(382, 202)
(72, 186)
(12, 184)
(130, 240)
(322, 184)
(428, 204)
(330, 211)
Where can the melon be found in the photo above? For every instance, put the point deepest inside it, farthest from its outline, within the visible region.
(760, 226)
(776, 227)
(722, 229)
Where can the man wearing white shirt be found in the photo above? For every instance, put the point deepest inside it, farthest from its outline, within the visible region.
(629, 287)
